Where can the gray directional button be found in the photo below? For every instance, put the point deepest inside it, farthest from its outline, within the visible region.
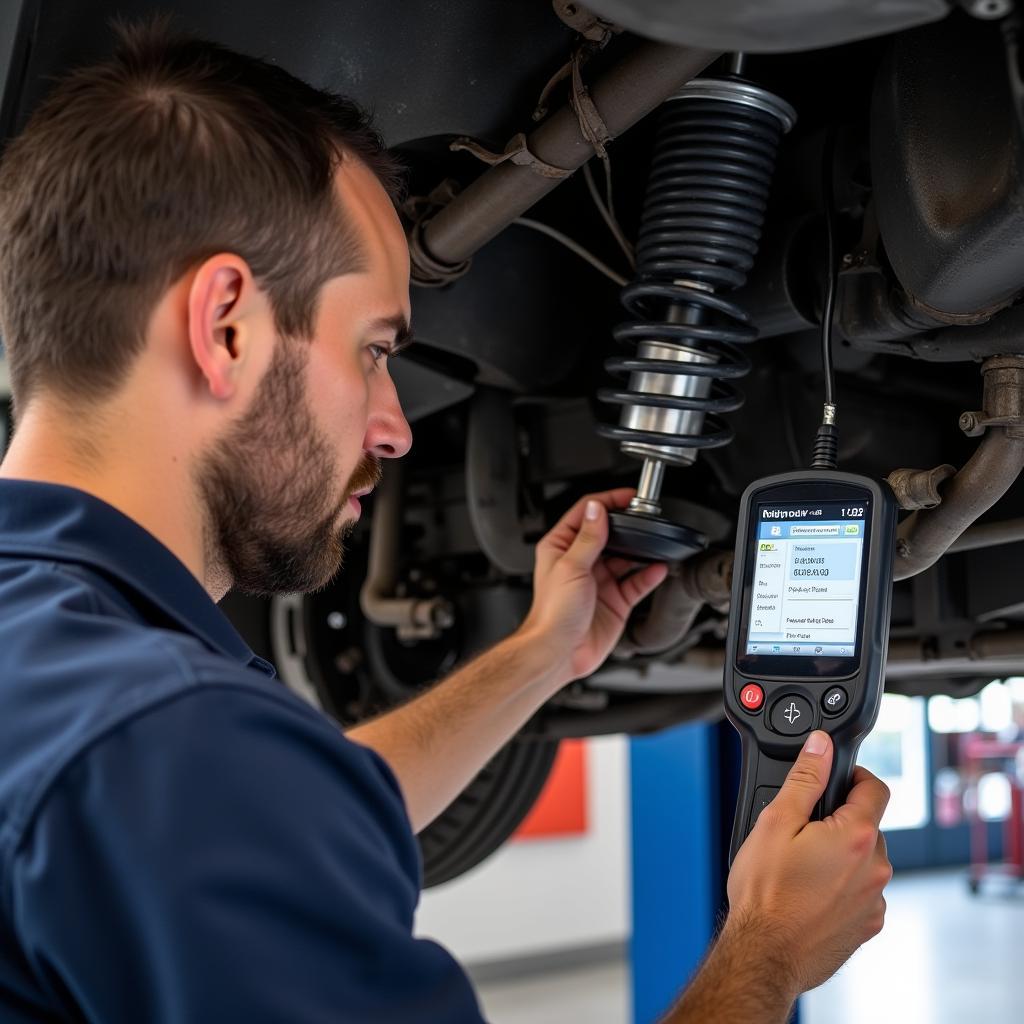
(792, 715)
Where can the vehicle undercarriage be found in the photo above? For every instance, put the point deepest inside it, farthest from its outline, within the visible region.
(732, 179)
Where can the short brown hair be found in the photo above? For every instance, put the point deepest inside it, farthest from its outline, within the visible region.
(135, 169)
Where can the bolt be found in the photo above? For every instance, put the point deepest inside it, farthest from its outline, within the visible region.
(444, 617)
(989, 9)
(969, 424)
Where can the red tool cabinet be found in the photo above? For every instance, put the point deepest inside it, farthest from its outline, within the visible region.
(981, 755)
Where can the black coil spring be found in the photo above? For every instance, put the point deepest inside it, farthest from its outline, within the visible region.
(699, 234)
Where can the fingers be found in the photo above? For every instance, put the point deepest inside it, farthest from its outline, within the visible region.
(805, 782)
(639, 585)
(882, 856)
(618, 498)
(573, 519)
(881, 876)
(869, 794)
(620, 567)
(580, 538)
(590, 538)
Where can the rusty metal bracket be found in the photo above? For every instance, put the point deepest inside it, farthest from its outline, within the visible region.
(517, 150)
(926, 535)
(581, 19)
(426, 270)
(1002, 400)
(595, 33)
(931, 315)
(592, 124)
(625, 92)
(919, 488)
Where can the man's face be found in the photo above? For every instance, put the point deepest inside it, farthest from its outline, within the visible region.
(281, 484)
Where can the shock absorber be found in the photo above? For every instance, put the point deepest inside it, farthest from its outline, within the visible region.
(701, 225)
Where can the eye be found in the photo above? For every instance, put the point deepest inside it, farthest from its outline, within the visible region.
(378, 352)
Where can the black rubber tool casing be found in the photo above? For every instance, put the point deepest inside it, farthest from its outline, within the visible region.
(808, 681)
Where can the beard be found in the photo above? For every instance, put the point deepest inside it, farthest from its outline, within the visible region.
(271, 493)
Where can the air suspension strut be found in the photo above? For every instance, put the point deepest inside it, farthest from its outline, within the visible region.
(706, 195)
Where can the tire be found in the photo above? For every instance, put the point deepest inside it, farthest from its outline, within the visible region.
(487, 812)
(480, 819)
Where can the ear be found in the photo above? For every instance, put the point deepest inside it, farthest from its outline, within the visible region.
(223, 308)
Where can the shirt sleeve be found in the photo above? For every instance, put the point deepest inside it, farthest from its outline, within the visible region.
(228, 856)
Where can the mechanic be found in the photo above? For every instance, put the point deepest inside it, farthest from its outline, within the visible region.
(202, 277)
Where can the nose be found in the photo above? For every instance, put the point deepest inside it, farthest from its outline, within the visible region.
(388, 435)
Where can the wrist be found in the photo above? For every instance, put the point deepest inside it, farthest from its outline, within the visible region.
(543, 661)
(752, 940)
(738, 981)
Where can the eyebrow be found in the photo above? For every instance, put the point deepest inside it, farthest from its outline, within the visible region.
(399, 325)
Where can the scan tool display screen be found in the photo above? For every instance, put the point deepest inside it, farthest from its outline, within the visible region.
(805, 590)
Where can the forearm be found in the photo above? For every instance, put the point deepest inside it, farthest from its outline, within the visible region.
(740, 981)
(438, 742)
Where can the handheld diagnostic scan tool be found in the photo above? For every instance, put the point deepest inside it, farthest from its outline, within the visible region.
(807, 642)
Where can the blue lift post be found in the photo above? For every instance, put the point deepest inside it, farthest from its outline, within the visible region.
(676, 850)
(683, 785)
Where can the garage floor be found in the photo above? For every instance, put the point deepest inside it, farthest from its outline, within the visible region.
(945, 957)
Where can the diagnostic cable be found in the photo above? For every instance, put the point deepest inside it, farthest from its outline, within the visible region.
(811, 595)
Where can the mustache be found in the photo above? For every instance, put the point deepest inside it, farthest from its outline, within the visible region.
(367, 474)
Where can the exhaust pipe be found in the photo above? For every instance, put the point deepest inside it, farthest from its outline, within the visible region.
(930, 532)
(442, 242)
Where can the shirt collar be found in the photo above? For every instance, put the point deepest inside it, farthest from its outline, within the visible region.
(65, 524)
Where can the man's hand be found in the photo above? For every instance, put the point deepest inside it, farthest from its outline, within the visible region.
(803, 895)
(815, 885)
(582, 601)
(437, 743)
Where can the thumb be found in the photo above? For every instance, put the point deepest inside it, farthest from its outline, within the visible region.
(806, 780)
(590, 541)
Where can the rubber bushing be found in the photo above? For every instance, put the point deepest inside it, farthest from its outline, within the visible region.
(647, 538)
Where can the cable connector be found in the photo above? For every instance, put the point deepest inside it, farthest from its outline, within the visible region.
(826, 441)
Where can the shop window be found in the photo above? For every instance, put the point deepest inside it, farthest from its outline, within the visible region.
(949, 715)
(896, 752)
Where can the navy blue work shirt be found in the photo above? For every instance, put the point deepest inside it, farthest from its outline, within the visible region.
(182, 840)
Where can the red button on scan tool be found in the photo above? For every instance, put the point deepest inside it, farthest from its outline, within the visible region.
(752, 696)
